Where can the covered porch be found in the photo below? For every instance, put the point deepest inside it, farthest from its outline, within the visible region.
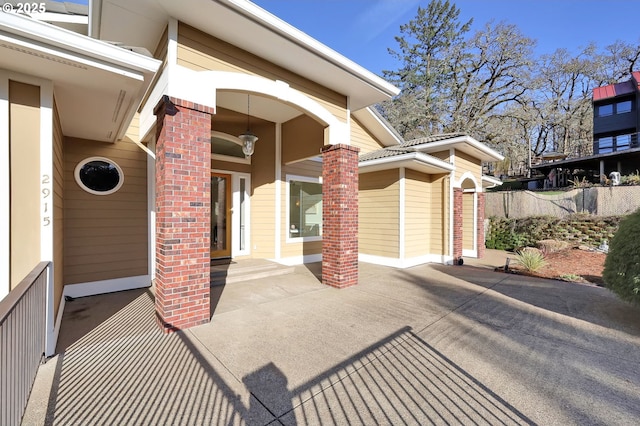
(419, 345)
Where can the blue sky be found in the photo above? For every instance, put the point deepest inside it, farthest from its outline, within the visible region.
(362, 30)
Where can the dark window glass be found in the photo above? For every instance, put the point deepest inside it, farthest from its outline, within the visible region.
(623, 142)
(622, 107)
(605, 145)
(226, 147)
(99, 176)
(604, 110)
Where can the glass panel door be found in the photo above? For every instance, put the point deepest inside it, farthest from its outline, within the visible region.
(220, 215)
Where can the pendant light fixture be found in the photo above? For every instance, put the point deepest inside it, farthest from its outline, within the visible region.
(248, 139)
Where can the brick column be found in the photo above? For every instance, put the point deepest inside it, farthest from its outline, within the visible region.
(183, 213)
(480, 227)
(457, 225)
(340, 215)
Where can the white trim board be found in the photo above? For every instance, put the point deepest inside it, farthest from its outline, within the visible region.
(404, 263)
(107, 286)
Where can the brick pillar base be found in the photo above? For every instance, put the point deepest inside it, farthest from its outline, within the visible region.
(457, 225)
(340, 215)
(480, 227)
(183, 213)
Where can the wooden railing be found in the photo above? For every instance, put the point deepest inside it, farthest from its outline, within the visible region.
(22, 342)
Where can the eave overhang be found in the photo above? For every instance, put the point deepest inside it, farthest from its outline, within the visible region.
(378, 126)
(490, 181)
(97, 86)
(412, 160)
(262, 34)
(463, 143)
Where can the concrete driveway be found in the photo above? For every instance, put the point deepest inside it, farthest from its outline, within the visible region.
(425, 345)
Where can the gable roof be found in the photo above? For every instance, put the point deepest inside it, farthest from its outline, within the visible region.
(142, 22)
(397, 156)
(460, 141)
(416, 151)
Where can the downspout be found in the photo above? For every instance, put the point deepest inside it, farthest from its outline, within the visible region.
(95, 18)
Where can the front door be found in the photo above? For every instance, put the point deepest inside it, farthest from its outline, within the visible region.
(220, 215)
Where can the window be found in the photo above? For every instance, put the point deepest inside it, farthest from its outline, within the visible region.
(605, 145)
(99, 176)
(305, 208)
(604, 110)
(227, 147)
(623, 142)
(622, 107)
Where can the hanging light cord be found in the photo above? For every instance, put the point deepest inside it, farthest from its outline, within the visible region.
(248, 115)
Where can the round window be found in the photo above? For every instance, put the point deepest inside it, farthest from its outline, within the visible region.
(99, 176)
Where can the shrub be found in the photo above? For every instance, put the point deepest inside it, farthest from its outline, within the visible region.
(531, 259)
(505, 238)
(622, 266)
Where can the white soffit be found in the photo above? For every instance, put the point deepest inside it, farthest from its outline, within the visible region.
(377, 127)
(97, 86)
(251, 28)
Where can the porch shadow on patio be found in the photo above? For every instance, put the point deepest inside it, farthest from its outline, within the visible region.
(125, 370)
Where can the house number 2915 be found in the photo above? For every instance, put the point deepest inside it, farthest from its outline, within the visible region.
(45, 193)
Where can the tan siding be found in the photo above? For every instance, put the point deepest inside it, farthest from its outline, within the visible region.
(443, 155)
(105, 236)
(133, 131)
(417, 213)
(465, 163)
(439, 215)
(302, 137)
(24, 133)
(200, 51)
(378, 213)
(467, 221)
(311, 169)
(263, 194)
(230, 166)
(58, 209)
(361, 138)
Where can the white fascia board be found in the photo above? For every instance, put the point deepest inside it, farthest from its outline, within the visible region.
(490, 181)
(379, 128)
(303, 40)
(78, 47)
(448, 143)
(411, 160)
(60, 17)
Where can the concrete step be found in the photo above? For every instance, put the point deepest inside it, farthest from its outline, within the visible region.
(245, 270)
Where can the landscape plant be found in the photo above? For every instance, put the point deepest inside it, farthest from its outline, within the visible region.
(531, 259)
(622, 266)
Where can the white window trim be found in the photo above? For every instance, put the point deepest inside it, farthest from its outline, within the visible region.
(298, 178)
(76, 175)
(235, 214)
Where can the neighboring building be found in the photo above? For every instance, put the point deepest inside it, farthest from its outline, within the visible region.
(616, 123)
(125, 168)
(616, 118)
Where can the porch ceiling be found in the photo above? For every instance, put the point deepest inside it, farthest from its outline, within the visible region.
(265, 108)
(97, 86)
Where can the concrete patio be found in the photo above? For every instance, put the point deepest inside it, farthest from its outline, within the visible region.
(429, 344)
